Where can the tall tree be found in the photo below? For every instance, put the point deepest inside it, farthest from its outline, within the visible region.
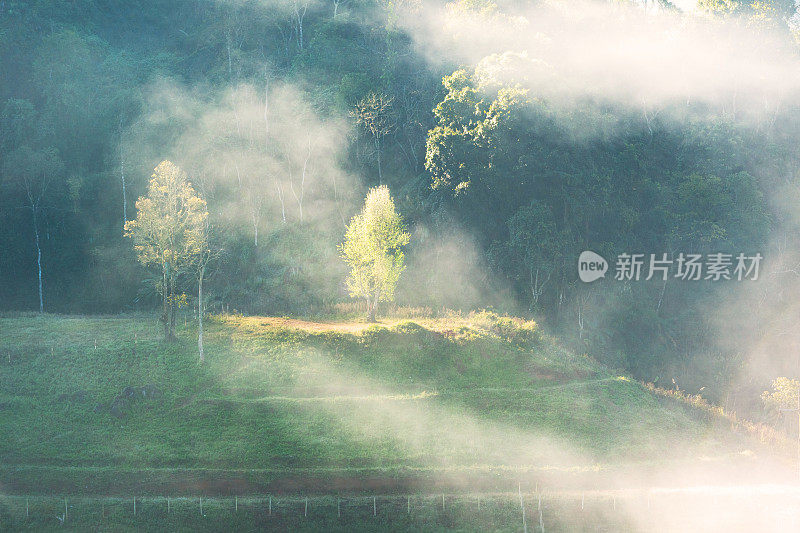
(170, 232)
(33, 171)
(373, 248)
(202, 259)
(374, 114)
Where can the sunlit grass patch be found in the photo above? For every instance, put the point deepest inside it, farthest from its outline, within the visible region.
(293, 394)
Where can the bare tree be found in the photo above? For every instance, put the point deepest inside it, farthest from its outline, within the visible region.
(278, 186)
(203, 259)
(336, 4)
(582, 300)
(34, 172)
(299, 9)
(233, 26)
(538, 282)
(374, 114)
(303, 172)
(122, 177)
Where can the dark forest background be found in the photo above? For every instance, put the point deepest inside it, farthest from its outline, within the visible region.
(500, 193)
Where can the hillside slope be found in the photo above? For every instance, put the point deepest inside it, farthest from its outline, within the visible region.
(103, 406)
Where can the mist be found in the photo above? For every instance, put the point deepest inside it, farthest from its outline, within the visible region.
(263, 154)
(615, 53)
(469, 152)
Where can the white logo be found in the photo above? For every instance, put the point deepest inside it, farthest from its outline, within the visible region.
(591, 266)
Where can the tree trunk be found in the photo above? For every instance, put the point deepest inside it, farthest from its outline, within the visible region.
(378, 150)
(370, 310)
(228, 39)
(661, 298)
(38, 258)
(255, 230)
(373, 307)
(300, 15)
(124, 196)
(172, 307)
(266, 147)
(200, 314)
(165, 310)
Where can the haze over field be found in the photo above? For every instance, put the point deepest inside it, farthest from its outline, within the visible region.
(336, 244)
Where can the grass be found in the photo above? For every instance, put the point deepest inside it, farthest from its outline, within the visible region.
(493, 512)
(291, 406)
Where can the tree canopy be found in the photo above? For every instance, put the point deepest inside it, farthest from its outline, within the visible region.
(373, 249)
(506, 164)
(169, 232)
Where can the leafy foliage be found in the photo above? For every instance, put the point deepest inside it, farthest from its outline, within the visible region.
(373, 248)
(501, 184)
(169, 232)
(785, 394)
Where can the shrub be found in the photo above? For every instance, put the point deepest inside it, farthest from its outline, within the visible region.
(512, 329)
(374, 333)
(406, 311)
(407, 327)
(467, 334)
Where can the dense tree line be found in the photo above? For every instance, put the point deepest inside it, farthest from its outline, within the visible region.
(492, 178)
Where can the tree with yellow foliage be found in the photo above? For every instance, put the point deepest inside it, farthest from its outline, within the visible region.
(170, 233)
(373, 248)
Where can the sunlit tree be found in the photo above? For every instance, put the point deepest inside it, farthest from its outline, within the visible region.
(785, 394)
(373, 248)
(170, 233)
(764, 11)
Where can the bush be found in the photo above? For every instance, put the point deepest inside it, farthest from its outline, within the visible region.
(374, 333)
(407, 327)
(512, 329)
(467, 334)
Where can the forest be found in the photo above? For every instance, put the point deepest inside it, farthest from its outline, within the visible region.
(541, 244)
(507, 158)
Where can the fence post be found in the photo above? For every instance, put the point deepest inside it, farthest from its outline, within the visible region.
(306, 511)
(236, 500)
(26, 508)
(270, 505)
(339, 507)
(167, 504)
(374, 507)
(201, 506)
(65, 509)
(522, 506)
(134, 506)
(541, 520)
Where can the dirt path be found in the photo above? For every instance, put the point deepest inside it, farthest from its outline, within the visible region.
(305, 325)
(439, 325)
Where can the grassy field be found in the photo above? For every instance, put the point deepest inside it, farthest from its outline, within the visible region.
(290, 407)
(497, 512)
